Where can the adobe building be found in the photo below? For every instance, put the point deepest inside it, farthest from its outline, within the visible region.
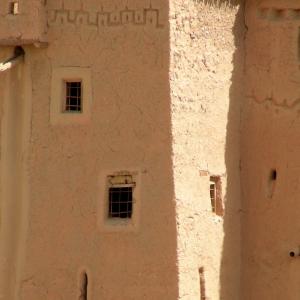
(149, 149)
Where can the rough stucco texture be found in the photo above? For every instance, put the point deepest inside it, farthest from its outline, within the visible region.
(206, 76)
(27, 26)
(129, 128)
(166, 93)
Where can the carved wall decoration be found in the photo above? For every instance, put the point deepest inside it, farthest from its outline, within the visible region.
(144, 17)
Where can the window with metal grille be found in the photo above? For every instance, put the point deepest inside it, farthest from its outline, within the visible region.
(120, 202)
(215, 189)
(73, 96)
(213, 195)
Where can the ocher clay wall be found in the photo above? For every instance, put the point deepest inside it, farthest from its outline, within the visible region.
(15, 99)
(129, 128)
(176, 124)
(27, 26)
(270, 142)
(206, 89)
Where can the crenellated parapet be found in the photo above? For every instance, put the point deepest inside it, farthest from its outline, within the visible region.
(22, 22)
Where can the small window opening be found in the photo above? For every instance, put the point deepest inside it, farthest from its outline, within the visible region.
(83, 288)
(73, 102)
(273, 175)
(120, 202)
(120, 193)
(215, 189)
(213, 196)
(14, 8)
(202, 284)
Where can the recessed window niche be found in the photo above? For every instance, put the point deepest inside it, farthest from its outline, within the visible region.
(14, 8)
(71, 95)
(119, 200)
(215, 190)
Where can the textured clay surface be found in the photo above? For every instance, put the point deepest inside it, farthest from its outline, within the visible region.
(23, 22)
(166, 88)
(206, 77)
(270, 145)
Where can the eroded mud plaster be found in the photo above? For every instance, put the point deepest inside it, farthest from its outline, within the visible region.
(206, 75)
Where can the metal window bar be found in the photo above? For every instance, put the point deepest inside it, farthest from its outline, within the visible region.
(213, 195)
(73, 97)
(120, 202)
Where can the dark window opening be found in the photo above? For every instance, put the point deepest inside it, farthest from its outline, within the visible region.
(120, 202)
(73, 96)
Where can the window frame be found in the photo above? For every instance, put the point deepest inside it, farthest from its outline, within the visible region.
(61, 75)
(217, 206)
(107, 224)
(65, 99)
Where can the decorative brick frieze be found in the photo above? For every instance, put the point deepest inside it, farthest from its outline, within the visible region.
(143, 17)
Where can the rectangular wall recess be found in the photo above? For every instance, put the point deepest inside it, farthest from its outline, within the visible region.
(14, 8)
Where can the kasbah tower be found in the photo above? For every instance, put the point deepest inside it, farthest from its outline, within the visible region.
(149, 150)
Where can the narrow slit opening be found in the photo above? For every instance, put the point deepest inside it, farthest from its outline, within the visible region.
(273, 175)
(83, 287)
(202, 284)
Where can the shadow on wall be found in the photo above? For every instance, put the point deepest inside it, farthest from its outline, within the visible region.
(230, 272)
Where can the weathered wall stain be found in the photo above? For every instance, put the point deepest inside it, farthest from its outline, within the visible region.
(279, 14)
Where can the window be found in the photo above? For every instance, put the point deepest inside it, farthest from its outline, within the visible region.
(119, 205)
(71, 95)
(213, 194)
(73, 101)
(120, 194)
(215, 189)
(120, 202)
